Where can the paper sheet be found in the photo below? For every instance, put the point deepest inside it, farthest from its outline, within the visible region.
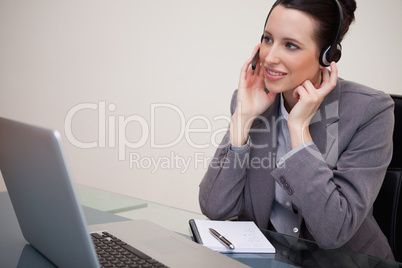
(244, 235)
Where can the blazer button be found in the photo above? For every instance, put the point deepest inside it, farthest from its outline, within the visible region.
(286, 186)
(290, 191)
(282, 179)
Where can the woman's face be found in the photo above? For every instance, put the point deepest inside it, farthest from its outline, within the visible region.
(288, 52)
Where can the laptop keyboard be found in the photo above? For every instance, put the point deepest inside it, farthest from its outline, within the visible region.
(113, 252)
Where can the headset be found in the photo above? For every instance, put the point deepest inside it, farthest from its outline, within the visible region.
(333, 52)
(328, 54)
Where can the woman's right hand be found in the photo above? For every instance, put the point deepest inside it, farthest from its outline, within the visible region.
(252, 100)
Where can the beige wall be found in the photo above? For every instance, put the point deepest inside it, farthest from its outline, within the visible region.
(142, 72)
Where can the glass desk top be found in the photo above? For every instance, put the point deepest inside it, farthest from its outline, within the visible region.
(102, 207)
(291, 252)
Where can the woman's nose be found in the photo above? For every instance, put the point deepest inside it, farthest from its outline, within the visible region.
(272, 55)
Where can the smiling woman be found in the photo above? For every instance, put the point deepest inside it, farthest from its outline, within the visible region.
(329, 166)
(289, 51)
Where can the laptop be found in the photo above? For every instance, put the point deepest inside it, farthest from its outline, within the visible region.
(51, 219)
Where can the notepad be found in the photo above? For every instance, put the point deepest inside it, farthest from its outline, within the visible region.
(244, 235)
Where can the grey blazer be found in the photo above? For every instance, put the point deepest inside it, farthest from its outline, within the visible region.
(332, 183)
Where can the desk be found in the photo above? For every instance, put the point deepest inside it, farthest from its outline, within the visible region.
(291, 252)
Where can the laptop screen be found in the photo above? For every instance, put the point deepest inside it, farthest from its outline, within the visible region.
(42, 194)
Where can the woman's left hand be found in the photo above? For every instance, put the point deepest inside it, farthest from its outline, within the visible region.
(309, 98)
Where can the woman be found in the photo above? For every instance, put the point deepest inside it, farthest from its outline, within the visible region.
(306, 151)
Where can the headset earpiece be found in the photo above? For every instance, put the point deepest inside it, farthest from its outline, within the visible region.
(330, 54)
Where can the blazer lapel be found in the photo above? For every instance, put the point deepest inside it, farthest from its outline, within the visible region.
(324, 127)
(264, 143)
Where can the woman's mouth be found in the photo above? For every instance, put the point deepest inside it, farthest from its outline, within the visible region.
(274, 75)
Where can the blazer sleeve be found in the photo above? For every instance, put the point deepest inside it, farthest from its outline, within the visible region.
(221, 190)
(334, 202)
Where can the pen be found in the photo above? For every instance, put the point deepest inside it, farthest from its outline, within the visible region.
(221, 239)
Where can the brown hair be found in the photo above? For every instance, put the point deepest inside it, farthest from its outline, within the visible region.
(326, 14)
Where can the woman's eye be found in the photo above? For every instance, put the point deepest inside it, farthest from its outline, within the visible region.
(267, 39)
(291, 46)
